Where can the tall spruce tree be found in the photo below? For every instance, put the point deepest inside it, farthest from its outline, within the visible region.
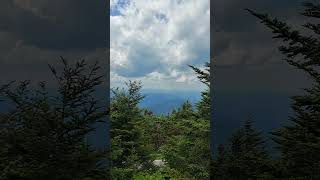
(204, 105)
(244, 158)
(127, 153)
(43, 136)
(188, 147)
(299, 142)
(218, 167)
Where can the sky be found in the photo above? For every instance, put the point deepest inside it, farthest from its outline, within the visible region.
(251, 79)
(153, 41)
(34, 33)
(246, 57)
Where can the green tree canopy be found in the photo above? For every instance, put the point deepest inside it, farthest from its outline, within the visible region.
(43, 136)
(244, 157)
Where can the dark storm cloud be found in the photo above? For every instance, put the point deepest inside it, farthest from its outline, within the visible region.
(239, 37)
(246, 57)
(59, 24)
(230, 15)
(251, 78)
(34, 33)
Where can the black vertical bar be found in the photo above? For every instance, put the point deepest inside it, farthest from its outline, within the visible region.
(107, 80)
(211, 85)
(108, 56)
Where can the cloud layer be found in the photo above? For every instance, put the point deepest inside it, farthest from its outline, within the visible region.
(34, 33)
(246, 57)
(155, 41)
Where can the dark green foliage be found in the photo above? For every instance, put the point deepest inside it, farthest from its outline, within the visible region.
(244, 157)
(188, 148)
(204, 105)
(43, 136)
(127, 148)
(155, 131)
(138, 137)
(203, 75)
(299, 142)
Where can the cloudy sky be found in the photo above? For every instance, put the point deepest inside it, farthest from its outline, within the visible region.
(251, 78)
(34, 33)
(154, 41)
(247, 58)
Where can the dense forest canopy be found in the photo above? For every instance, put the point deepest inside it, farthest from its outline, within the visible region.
(45, 136)
(145, 145)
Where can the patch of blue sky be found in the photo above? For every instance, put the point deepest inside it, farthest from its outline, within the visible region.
(115, 10)
(162, 17)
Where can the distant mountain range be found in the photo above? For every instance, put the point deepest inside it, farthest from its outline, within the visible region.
(163, 102)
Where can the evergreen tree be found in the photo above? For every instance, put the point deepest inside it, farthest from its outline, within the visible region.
(204, 105)
(127, 150)
(218, 166)
(188, 148)
(185, 111)
(299, 142)
(245, 158)
(138, 137)
(43, 136)
(155, 132)
(203, 75)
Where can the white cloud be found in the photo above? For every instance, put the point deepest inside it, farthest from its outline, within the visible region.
(156, 39)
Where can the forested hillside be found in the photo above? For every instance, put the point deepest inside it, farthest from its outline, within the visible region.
(149, 146)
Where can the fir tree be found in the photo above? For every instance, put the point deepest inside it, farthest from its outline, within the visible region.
(180, 139)
(218, 166)
(204, 105)
(127, 153)
(245, 158)
(299, 142)
(43, 136)
(188, 148)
